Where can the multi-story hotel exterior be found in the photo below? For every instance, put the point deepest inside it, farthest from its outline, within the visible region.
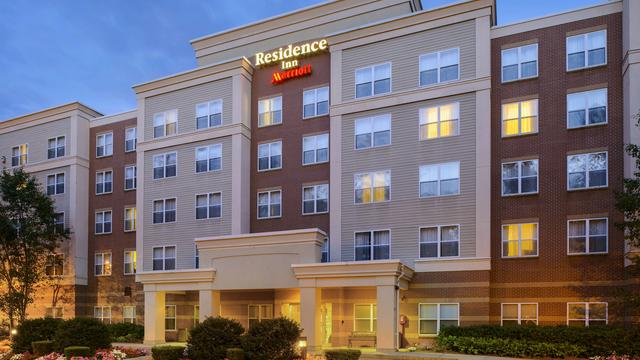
(369, 168)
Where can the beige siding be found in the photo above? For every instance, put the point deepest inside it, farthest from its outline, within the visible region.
(184, 188)
(37, 138)
(185, 101)
(406, 211)
(404, 52)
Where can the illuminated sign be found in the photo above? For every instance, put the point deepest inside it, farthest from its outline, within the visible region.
(281, 76)
(290, 52)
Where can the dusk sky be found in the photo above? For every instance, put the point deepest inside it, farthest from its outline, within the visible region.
(54, 52)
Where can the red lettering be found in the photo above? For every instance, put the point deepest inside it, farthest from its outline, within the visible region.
(279, 77)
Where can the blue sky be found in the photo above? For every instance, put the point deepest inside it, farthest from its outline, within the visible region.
(54, 52)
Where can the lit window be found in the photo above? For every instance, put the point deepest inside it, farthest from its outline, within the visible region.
(196, 314)
(520, 63)
(291, 311)
(440, 179)
(164, 211)
(130, 262)
(364, 318)
(103, 264)
(170, 318)
(587, 170)
(164, 165)
(165, 123)
(129, 314)
(55, 184)
(53, 312)
(102, 313)
(259, 312)
(315, 199)
(315, 149)
(164, 258)
(19, 155)
(587, 313)
(587, 50)
(520, 177)
(270, 156)
(130, 139)
(587, 236)
(439, 121)
(104, 182)
(103, 222)
(209, 206)
(130, 177)
(373, 80)
(270, 111)
(438, 67)
(56, 147)
(520, 240)
(372, 245)
(55, 265)
(520, 118)
(130, 215)
(315, 102)
(373, 131)
(434, 317)
(372, 187)
(519, 314)
(209, 114)
(587, 108)
(209, 158)
(439, 241)
(269, 204)
(104, 145)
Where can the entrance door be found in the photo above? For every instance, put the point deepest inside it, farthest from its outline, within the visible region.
(326, 323)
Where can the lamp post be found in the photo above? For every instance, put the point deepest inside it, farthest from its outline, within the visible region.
(302, 345)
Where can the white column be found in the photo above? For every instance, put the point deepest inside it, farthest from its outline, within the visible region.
(310, 300)
(154, 304)
(209, 304)
(387, 320)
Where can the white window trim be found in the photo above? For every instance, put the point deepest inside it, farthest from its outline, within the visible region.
(371, 232)
(175, 318)
(315, 90)
(281, 156)
(315, 199)
(164, 124)
(103, 212)
(135, 315)
(164, 207)
(105, 144)
(503, 81)
(372, 328)
(104, 173)
(135, 177)
(102, 253)
(135, 218)
(519, 240)
(26, 155)
(372, 133)
(438, 52)
(64, 145)
(55, 177)
(587, 187)
(372, 82)
(164, 166)
(370, 173)
(439, 227)
(124, 263)
(164, 257)
(440, 180)
(520, 193)
(135, 140)
(55, 255)
(269, 98)
(195, 162)
(587, 125)
(587, 311)
(196, 319)
(587, 234)
(586, 51)
(258, 204)
(519, 311)
(209, 114)
(422, 121)
(315, 150)
(195, 205)
(520, 132)
(438, 319)
(102, 311)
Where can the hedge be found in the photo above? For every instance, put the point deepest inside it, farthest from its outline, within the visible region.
(33, 330)
(342, 354)
(273, 339)
(43, 347)
(82, 332)
(82, 351)
(167, 352)
(210, 339)
(509, 347)
(235, 354)
(126, 332)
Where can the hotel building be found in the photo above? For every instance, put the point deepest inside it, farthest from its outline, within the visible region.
(372, 169)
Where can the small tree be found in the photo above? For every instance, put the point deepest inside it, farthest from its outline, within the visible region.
(29, 238)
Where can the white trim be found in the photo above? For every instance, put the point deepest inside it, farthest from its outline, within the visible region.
(587, 304)
(586, 116)
(134, 264)
(519, 63)
(519, 177)
(422, 121)
(164, 210)
(95, 221)
(438, 53)
(315, 150)
(372, 133)
(587, 187)
(164, 166)
(586, 51)
(520, 256)
(519, 118)
(104, 134)
(438, 318)
(269, 143)
(135, 140)
(104, 173)
(102, 308)
(439, 181)
(208, 103)
(207, 194)
(135, 177)
(164, 257)
(371, 246)
(371, 173)
(372, 318)
(269, 99)
(315, 103)
(315, 199)
(587, 234)
(195, 162)
(372, 82)
(135, 218)
(64, 136)
(164, 124)
(174, 318)
(439, 241)
(103, 253)
(519, 311)
(269, 204)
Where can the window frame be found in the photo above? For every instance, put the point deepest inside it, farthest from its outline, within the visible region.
(439, 181)
(174, 318)
(104, 268)
(134, 221)
(23, 159)
(438, 68)
(104, 212)
(519, 319)
(519, 118)
(520, 177)
(104, 135)
(587, 235)
(209, 114)
(519, 63)
(134, 178)
(371, 245)
(588, 304)
(587, 117)
(208, 159)
(439, 242)
(208, 206)
(587, 187)
(584, 35)
(57, 147)
(315, 149)
(315, 199)
(260, 317)
(438, 318)
(135, 138)
(373, 320)
(519, 256)
(164, 257)
(164, 123)
(269, 204)
(134, 263)
(104, 182)
(164, 165)
(124, 313)
(164, 211)
(54, 310)
(55, 264)
(316, 102)
(102, 318)
(270, 144)
(388, 117)
(270, 99)
(56, 184)
(372, 72)
(372, 188)
(422, 121)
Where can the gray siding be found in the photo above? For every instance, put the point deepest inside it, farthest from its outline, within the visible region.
(37, 138)
(404, 52)
(184, 188)
(185, 101)
(406, 211)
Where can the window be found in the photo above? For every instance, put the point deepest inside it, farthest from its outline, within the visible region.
(439, 67)
(439, 241)
(55, 184)
(315, 102)
(130, 217)
(586, 108)
(53, 312)
(364, 318)
(378, 249)
(373, 131)
(587, 50)
(197, 258)
(103, 264)
(209, 158)
(164, 165)
(373, 80)
(170, 317)
(291, 311)
(55, 265)
(520, 118)
(520, 63)
(209, 206)
(439, 121)
(209, 114)
(315, 149)
(315, 199)
(372, 187)
(19, 155)
(102, 313)
(587, 170)
(130, 139)
(519, 314)
(259, 312)
(104, 182)
(520, 177)
(103, 222)
(434, 317)
(58, 221)
(164, 258)
(129, 314)
(56, 147)
(520, 240)
(130, 262)
(165, 123)
(587, 236)
(104, 145)
(196, 315)
(269, 205)
(164, 211)
(587, 313)
(325, 251)
(440, 179)
(270, 111)
(270, 156)
(130, 177)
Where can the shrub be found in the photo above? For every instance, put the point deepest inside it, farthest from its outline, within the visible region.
(82, 332)
(235, 354)
(126, 332)
(33, 330)
(211, 338)
(167, 352)
(273, 339)
(342, 354)
(42, 347)
(509, 347)
(83, 351)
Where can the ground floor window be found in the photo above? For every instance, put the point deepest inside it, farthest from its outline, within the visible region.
(364, 318)
(102, 313)
(259, 312)
(53, 312)
(519, 314)
(433, 317)
(196, 315)
(170, 318)
(587, 313)
(291, 311)
(129, 314)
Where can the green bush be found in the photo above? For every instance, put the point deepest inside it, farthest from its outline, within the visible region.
(33, 330)
(83, 351)
(211, 338)
(509, 347)
(42, 347)
(235, 354)
(126, 330)
(273, 339)
(82, 332)
(342, 354)
(167, 352)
